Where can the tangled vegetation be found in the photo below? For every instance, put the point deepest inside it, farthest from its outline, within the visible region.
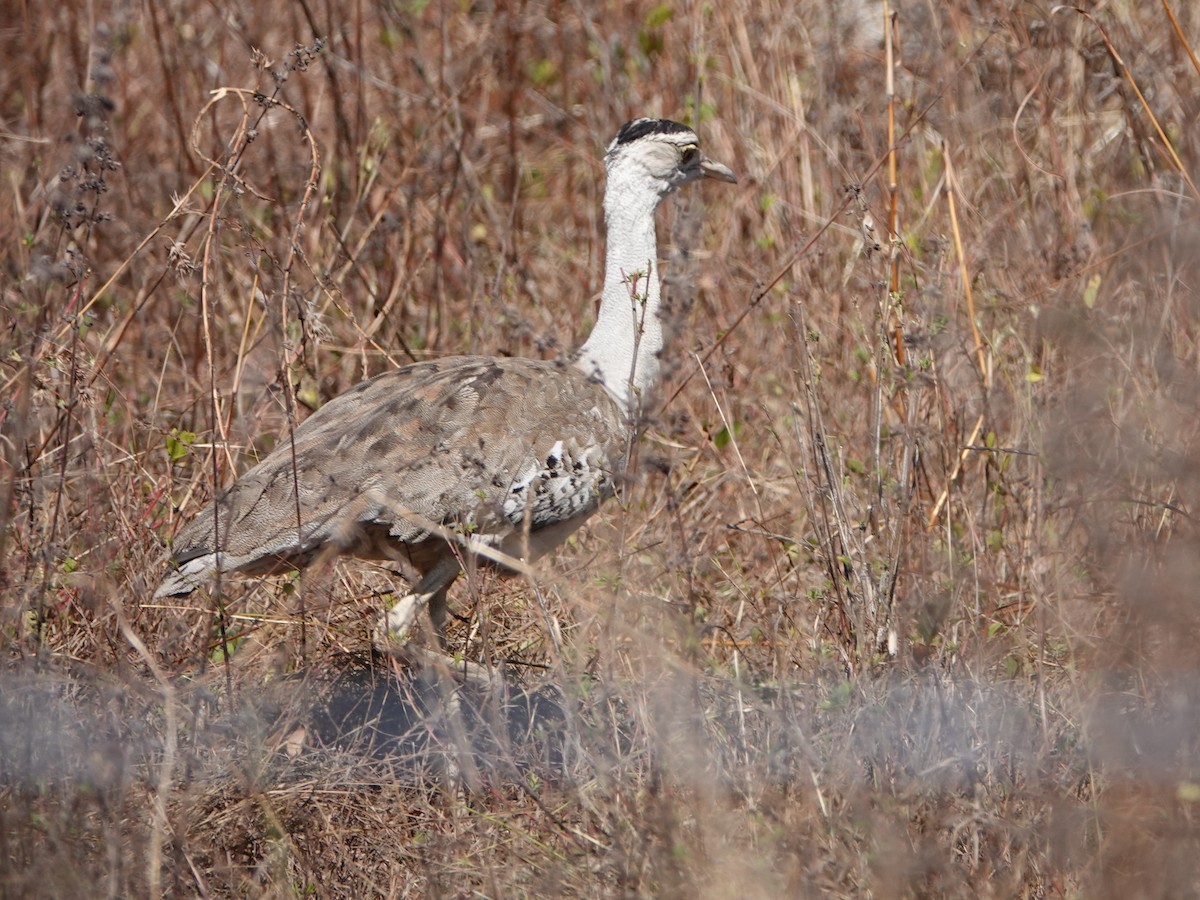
(902, 599)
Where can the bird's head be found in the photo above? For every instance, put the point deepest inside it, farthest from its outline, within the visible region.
(664, 153)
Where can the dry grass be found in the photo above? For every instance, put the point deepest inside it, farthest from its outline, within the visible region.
(904, 600)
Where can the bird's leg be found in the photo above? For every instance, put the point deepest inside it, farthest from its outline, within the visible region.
(431, 592)
(437, 615)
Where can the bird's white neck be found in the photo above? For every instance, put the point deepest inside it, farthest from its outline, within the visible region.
(623, 349)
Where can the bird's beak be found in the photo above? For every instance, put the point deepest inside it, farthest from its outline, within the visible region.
(713, 169)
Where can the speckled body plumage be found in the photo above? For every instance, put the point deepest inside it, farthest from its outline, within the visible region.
(502, 453)
(463, 443)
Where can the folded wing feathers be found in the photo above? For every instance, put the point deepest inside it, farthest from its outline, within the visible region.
(463, 443)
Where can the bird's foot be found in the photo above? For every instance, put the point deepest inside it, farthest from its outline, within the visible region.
(396, 625)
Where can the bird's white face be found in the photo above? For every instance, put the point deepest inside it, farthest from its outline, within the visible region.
(666, 152)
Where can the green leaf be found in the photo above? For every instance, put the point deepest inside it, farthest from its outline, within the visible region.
(543, 72)
(651, 43)
(223, 649)
(308, 393)
(659, 16)
(724, 438)
(179, 443)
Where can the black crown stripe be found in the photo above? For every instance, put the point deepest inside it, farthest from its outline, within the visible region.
(640, 128)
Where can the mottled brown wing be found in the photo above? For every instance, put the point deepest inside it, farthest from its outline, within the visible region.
(467, 442)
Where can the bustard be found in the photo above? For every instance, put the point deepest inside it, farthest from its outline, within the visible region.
(469, 455)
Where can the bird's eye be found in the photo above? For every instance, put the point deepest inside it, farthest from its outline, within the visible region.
(689, 155)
